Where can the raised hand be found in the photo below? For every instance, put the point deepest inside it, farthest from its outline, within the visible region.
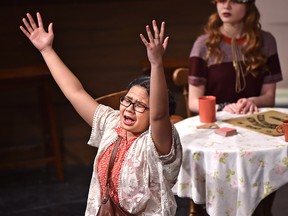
(41, 39)
(156, 45)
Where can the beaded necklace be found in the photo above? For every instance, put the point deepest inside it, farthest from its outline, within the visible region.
(240, 75)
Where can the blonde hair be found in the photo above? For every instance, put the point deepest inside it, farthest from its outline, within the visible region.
(252, 48)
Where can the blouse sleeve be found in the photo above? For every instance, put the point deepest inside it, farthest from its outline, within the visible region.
(172, 161)
(105, 119)
(197, 64)
(273, 63)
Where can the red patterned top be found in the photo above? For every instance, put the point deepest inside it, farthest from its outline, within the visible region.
(104, 162)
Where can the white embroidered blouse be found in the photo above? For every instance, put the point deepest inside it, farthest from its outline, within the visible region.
(146, 178)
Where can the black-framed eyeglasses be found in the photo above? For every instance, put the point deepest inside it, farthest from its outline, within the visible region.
(138, 106)
(234, 1)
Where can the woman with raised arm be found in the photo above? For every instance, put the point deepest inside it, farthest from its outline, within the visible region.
(149, 156)
(234, 60)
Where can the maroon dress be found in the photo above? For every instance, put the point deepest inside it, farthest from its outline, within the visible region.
(220, 78)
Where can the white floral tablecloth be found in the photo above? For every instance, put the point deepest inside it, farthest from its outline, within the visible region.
(231, 175)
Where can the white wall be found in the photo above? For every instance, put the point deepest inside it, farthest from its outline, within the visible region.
(274, 18)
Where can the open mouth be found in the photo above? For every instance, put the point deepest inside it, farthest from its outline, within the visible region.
(128, 120)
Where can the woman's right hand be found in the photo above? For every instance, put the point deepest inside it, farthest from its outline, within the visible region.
(41, 39)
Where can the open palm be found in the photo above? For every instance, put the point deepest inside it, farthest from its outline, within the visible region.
(157, 44)
(37, 34)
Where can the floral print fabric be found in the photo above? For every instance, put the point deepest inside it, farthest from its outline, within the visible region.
(104, 163)
(230, 175)
(145, 178)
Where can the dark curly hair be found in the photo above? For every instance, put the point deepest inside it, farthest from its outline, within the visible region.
(144, 81)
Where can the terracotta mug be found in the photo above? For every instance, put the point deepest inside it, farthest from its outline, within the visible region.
(207, 109)
(283, 129)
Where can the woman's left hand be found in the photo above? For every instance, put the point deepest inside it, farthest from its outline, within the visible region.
(245, 105)
(156, 45)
